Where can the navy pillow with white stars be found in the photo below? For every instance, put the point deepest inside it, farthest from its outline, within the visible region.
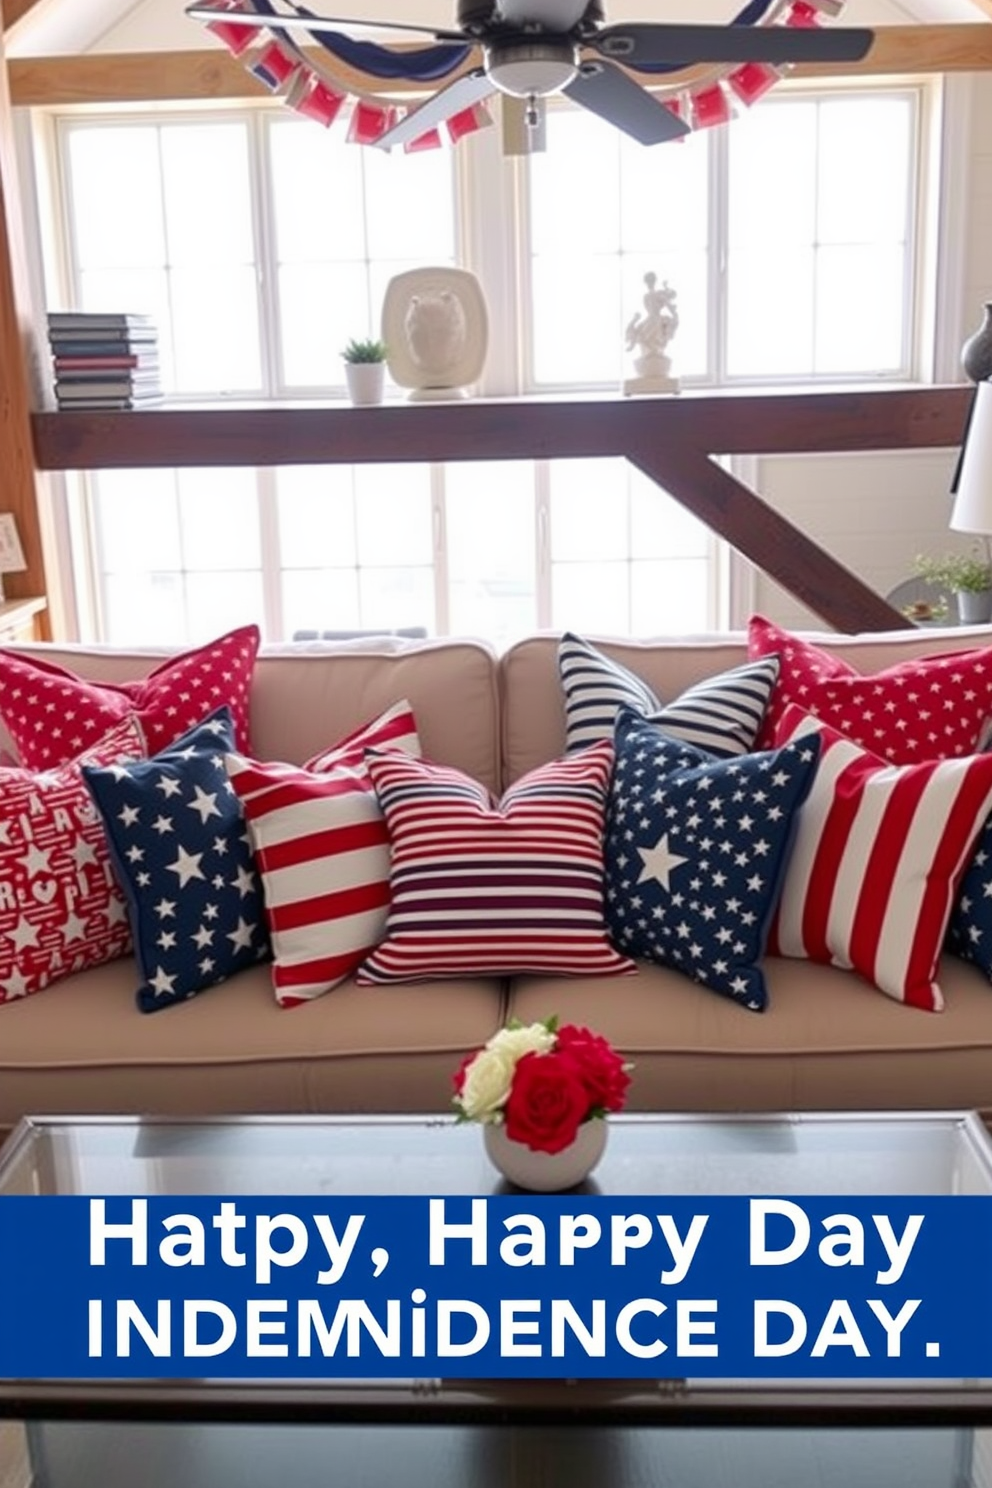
(969, 930)
(181, 851)
(696, 848)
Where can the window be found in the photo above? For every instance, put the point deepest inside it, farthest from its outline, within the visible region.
(262, 243)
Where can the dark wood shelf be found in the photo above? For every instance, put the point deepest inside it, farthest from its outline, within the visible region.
(670, 439)
(532, 428)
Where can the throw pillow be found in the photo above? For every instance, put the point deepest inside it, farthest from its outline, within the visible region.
(695, 852)
(322, 850)
(60, 907)
(933, 707)
(180, 849)
(880, 850)
(52, 715)
(478, 887)
(721, 714)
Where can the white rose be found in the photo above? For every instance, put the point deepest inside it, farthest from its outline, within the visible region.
(487, 1084)
(516, 1042)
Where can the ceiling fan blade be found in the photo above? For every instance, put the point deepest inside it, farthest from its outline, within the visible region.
(471, 87)
(647, 44)
(279, 21)
(615, 96)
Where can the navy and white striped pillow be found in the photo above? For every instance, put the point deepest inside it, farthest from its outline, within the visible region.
(721, 714)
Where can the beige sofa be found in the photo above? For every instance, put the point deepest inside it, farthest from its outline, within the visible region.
(828, 1040)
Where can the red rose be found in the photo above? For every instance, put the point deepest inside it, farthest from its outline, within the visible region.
(600, 1067)
(458, 1078)
(547, 1102)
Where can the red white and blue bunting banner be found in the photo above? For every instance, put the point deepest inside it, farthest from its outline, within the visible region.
(313, 87)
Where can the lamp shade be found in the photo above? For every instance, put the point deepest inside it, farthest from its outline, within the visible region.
(973, 501)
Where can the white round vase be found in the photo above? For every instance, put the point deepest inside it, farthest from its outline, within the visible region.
(546, 1172)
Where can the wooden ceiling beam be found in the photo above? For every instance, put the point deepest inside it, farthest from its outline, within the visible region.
(12, 11)
(149, 77)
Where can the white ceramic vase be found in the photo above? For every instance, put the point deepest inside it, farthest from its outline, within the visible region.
(365, 381)
(546, 1172)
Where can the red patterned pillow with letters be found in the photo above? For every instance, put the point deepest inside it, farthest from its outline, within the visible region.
(52, 715)
(60, 907)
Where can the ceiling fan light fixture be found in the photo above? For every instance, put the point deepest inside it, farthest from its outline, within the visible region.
(531, 69)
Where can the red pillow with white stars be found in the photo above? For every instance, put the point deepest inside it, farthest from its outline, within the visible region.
(60, 907)
(931, 707)
(52, 715)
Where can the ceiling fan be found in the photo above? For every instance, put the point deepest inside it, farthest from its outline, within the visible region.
(533, 48)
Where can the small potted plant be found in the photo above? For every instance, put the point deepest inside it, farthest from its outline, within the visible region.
(364, 370)
(968, 575)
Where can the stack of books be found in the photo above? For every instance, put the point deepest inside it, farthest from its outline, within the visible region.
(104, 361)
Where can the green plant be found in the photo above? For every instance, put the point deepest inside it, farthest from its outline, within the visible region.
(365, 351)
(970, 572)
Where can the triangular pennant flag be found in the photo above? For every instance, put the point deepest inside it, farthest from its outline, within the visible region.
(313, 99)
(429, 141)
(710, 106)
(272, 66)
(236, 38)
(753, 80)
(468, 121)
(369, 122)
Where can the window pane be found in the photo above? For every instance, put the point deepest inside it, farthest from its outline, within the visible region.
(409, 205)
(589, 517)
(870, 204)
(219, 515)
(646, 211)
(206, 193)
(669, 598)
(859, 310)
(393, 514)
(772, 176)
(591, 597)
(116, 196)
(316, 516)
(143, 609)
(319, 599)
(216, 602)
(215, 330)
(490, 543)
(394, 598)
(770, 309)
(661, 527)
(136, 520)
(317, 194)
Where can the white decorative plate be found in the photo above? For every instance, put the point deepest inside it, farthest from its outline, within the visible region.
(447, 375)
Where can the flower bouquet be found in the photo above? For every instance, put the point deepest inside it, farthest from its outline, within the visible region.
(542, 1092)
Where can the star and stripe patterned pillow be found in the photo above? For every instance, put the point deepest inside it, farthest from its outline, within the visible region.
(180, 849)
(484, 888)
(52, 715)
(60, 907)
(880, 850)
(926, 708)
(695, 852)
(720, 714)
(322, 850)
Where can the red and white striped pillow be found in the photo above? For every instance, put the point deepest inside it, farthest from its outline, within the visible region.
(878, 855)
(322, 850)
(482, 888)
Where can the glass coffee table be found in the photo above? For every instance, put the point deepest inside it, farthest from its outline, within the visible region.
(212, 1433)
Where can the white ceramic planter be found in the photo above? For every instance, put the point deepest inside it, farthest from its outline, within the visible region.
(546, 1172)
(365, 381)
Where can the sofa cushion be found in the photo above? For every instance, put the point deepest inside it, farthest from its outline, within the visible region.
(181, 851)
(234, 1050)
(322, 849)
(303, 696)
(533, 712)
(823, 1045)
(879, 853)
(477, 887)
(695, 852)
(52, 714)
(721, 714)
(60, 907)
(933, 707)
